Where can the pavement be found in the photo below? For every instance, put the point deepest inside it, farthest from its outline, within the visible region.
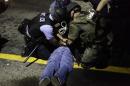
(14, 73)
(12, 69)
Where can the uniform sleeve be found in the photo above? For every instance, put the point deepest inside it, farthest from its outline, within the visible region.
(73, 32)
(48, 31)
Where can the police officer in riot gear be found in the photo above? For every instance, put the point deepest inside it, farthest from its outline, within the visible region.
(103, 31)
(41, 31)
(86, 28)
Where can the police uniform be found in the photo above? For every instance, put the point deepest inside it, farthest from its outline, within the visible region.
(85, 6)
(40, 30)
(86, 28)
(83, 29)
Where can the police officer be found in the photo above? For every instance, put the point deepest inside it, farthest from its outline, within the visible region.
(40, 31)
(85, 26)
(60, 62)
(94, 9)
(103, 31)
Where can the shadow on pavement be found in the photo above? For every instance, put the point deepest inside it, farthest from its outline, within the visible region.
(82, 77)
(28, 81)
(2, 42)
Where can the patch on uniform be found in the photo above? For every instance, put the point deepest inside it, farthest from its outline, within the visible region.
(42, 17)
(63, 28)
(57, 25)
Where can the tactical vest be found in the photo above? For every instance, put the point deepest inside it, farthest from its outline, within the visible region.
(43, 19)
(38, 37)
(36, 22)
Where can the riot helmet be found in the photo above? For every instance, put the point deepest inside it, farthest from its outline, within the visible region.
(57, 11)
(73, 6)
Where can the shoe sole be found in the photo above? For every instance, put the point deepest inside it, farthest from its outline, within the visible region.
(55, 81)
(44, 82)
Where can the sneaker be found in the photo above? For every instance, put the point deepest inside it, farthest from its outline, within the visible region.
(55, 81)
(44, 82)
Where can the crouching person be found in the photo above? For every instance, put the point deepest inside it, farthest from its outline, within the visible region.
(40, 31)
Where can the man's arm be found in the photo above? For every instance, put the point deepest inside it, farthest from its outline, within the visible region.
(101, 5)
(47, 30)
(98, 9)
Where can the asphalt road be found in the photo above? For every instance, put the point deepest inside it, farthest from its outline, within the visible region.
(13, 73)
(13, 16)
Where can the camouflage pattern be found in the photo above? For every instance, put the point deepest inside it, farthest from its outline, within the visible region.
(87, 37)
(85, 6)
(87, 28)
(92, 35)
(81, 23)
(89, 55)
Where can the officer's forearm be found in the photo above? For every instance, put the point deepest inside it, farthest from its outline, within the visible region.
(73, 32)
(101, 4)
(60, 37)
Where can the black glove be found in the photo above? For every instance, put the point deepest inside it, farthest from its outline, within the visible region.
(77, 56)
(96, 16)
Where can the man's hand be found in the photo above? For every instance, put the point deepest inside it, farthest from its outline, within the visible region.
(64, 39)
(69, 42)
(62, 43)
(96, 16)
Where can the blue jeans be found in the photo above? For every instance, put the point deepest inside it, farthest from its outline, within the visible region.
(60, 63)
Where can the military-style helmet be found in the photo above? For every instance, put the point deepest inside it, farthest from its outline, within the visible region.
(72, 5)
(57, 10)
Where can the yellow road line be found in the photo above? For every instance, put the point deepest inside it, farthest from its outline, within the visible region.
(21, 59)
